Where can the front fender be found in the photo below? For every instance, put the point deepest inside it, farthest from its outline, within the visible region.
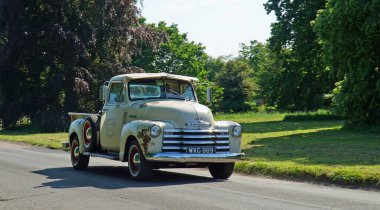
(139, 129)
(235, 142)
(76, 126)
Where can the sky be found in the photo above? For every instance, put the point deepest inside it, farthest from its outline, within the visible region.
(220, 25)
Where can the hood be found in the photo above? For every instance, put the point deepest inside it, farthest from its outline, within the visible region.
(182, 114)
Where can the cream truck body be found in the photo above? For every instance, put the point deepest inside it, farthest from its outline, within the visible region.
(163, 132)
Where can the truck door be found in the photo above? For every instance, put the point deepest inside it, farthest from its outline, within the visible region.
(112, 117)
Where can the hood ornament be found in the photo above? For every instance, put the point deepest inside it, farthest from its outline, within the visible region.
(197, 123)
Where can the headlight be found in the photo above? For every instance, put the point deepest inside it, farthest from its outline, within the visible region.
(236, 131)
(155, 131)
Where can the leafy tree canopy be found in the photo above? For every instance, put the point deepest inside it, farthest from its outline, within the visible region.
(51, 52)
(303, 79)
(266, 69)
(178, 55)
(238, 86)
(349, 32)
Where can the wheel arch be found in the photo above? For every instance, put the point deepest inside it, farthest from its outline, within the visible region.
(76, 128)
(72, 135)
(128, 142)
(139, 130)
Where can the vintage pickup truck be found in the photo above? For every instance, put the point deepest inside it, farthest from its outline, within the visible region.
(152, 121)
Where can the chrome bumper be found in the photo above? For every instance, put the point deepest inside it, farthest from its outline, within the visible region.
(196, 158)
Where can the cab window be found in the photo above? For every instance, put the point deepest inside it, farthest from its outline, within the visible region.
(116, 93)
(179, 90)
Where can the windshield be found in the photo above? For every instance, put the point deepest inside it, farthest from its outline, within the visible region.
(160, 88)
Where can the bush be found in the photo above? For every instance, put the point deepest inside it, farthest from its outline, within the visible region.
(318, 115)
(51, 121)
(237, 84)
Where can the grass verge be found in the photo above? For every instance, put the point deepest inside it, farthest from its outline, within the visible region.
(30, 136)
(307, 149)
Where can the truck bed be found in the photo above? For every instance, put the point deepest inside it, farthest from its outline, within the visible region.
(76, 115)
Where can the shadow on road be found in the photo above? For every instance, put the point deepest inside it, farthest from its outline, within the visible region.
(109, 177)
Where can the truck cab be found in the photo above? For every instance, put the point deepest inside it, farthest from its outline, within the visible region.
(152, 121)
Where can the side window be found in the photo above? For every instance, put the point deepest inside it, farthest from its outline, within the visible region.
(187, 92)
(116, 93)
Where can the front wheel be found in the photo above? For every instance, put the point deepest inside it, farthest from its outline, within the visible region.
(79, 161)
(138, 167)
(221, 170)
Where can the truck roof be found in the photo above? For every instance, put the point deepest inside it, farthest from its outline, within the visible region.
(152, 76)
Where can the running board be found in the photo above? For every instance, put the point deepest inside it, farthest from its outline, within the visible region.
(101, 155)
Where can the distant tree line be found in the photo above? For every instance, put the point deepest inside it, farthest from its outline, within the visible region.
(54, 55)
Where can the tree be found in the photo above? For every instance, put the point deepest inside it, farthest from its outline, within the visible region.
(214, 66)
(55, 51)
(266, 69)
(177, 55)
(238, 86)
(349, 32)
(304, 78)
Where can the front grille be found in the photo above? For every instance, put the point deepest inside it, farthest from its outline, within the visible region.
(178, 140)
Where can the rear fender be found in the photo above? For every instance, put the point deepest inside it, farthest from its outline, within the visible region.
(76, 126)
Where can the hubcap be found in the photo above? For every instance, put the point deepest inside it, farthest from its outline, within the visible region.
(134, 160)
(75, 152)
(87, 134)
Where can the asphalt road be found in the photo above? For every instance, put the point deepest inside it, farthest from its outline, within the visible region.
(37, 178)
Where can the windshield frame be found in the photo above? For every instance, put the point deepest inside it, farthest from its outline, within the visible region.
(165, 92)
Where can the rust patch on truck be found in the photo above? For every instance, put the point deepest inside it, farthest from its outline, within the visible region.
(145, 139)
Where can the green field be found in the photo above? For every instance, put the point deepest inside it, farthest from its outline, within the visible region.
(307, 149)
(299, 146)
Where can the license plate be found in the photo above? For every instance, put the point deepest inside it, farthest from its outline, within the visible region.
(201, 150)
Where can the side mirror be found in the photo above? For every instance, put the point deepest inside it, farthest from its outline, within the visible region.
(209, 95)
(103, 91)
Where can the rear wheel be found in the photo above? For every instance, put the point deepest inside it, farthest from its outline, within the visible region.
(138, 167)
(79, 161)
(221, 170)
